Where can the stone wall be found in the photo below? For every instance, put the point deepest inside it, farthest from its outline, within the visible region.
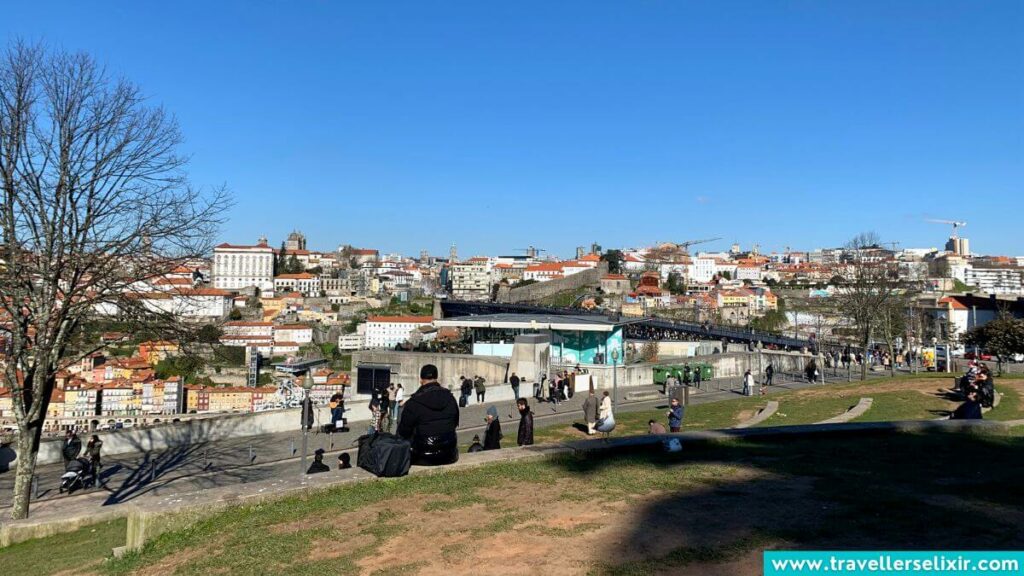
(542, 289)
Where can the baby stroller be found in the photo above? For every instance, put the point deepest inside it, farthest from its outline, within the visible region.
(78, 473)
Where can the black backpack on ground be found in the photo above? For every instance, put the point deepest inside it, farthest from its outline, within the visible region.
(384, 455)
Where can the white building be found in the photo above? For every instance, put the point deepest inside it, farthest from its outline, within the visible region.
(387, 331)
(298, 333)
(305, 283)
(702, 269)
(471, 280)
(354, 341)
(237, 267)
(995, 280)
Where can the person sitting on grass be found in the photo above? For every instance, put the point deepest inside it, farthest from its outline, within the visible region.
(476, 446)
(655, 427)
(344, 461)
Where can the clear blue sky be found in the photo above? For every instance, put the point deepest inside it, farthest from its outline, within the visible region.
(411, 125)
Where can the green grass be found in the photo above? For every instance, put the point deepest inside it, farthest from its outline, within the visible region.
(795, 409)
(86, 546)
(906, 405)
(1009, 405)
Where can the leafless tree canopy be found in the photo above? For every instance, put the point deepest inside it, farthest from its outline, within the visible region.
(94, 203)
(873, 295)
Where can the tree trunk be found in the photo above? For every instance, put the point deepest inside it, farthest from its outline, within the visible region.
(25, 465)
(865, 357)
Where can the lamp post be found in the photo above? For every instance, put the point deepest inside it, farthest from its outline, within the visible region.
(615, 378)
(307, 385)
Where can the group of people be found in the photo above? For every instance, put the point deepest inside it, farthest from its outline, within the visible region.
(469, 385)
(689, 375)
(977, 387)
(675, 419)
(71, 450)
(596, 411)
(559, 388)
(386, 408)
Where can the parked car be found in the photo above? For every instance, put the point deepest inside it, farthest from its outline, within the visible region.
(1017, 358)
(983, 356)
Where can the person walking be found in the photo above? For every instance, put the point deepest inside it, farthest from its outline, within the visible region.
(492, 435)
(375, 416)
(396, 406)
(72, 447)
(590, 409)
(514, 381)
(697, 377)
(525, 436)
(769, 373)
(686, 375)
(93, 450)
(675, 415)
(466, 389)
(748, 383)
(430, 419)
(606, 406)
(670, 383)
(481, 390)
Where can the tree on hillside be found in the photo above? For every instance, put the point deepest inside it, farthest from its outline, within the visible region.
(94, 204)
(614, 259)
(867, 293)
(1003, 336)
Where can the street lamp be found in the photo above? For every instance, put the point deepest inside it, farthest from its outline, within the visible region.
(307, 385)
(615, 378)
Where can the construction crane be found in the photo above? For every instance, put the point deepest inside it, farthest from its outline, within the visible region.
(686, 245)
(953, 223)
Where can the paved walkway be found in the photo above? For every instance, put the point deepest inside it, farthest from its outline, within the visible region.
(197, 467)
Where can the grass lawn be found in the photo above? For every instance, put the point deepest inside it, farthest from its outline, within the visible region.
(76, 552)
(1010, 406)
(709, 509)
(797, 409)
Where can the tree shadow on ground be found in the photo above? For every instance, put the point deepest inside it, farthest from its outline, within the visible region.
(925, 491)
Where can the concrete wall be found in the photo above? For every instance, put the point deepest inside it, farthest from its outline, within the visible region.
(406, 367)
(542, 289)
(203, 429)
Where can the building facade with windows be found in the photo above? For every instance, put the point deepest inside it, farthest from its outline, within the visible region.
(236, 267)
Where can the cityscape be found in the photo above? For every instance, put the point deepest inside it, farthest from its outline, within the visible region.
(586, 288)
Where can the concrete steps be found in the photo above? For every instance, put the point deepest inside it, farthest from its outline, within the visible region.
(862, 406)
(764, 414)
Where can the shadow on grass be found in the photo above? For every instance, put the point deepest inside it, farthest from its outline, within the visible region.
(928, 491)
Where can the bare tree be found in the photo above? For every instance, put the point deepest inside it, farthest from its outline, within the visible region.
(868, 290)
(95, 206)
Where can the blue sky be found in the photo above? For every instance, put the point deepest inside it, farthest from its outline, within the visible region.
(411, 125)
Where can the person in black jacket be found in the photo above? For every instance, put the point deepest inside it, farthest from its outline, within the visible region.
(492, 436)
(429, 419)
(72, 447)
(969, 410)
(525, 437)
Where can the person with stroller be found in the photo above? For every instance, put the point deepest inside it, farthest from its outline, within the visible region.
(92, 450)
(72, 447)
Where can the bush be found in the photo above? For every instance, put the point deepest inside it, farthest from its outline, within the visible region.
(235, 314)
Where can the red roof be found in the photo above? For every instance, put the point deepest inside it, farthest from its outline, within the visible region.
(299, 276)
(243, 247)
(402, 319)
(613, 277)
(953, 303)
(243, 323)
